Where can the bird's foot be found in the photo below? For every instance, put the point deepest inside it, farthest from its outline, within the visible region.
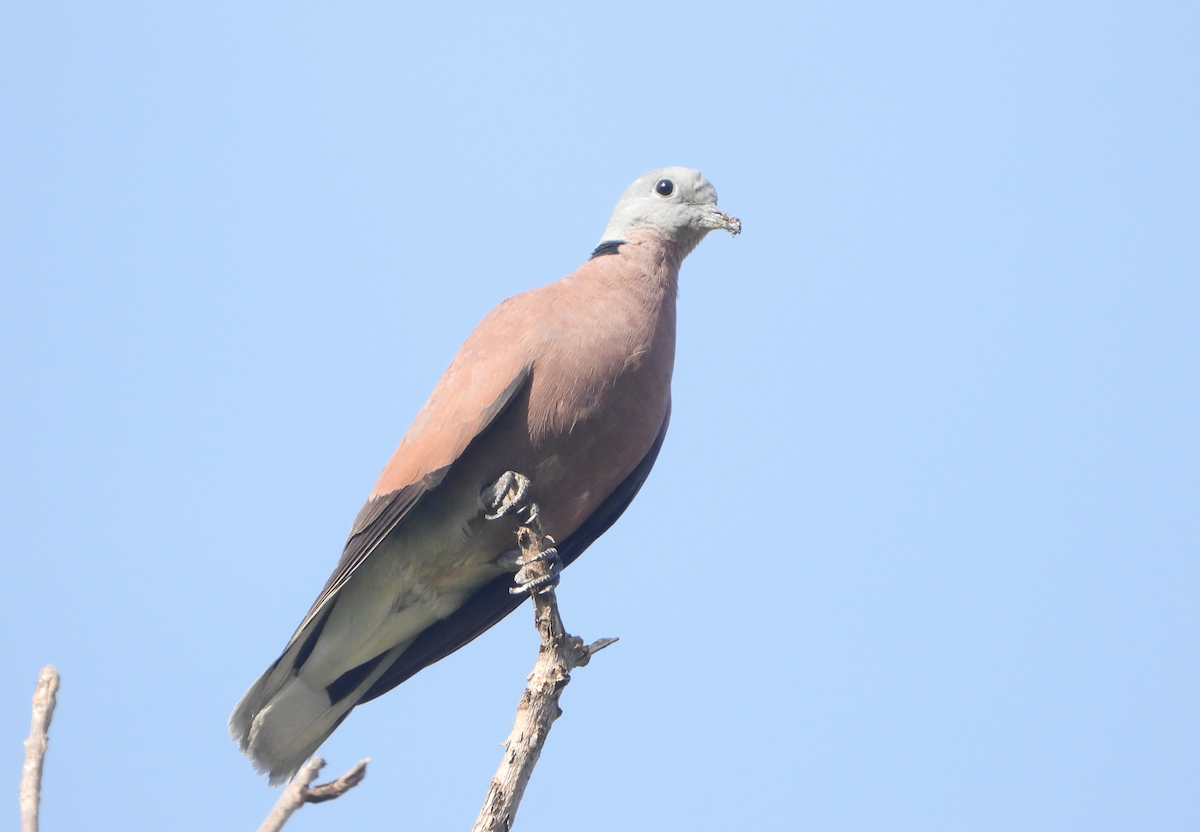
(506, 495)
(510, 495)
(538, 574)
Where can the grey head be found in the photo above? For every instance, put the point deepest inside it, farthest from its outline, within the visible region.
(672, 204)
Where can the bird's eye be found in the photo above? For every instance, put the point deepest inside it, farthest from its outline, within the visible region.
(665, 187)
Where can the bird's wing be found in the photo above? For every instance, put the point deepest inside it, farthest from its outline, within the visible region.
(493, 601)
(453, 429)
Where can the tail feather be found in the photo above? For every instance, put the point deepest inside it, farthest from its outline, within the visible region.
(334, 659)
(280, 723)
(289, 711)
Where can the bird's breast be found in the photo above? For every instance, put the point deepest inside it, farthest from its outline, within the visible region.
(597, 400)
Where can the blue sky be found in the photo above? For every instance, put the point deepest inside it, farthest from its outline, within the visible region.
(920, 551)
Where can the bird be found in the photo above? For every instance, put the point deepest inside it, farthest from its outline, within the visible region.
(561, 398)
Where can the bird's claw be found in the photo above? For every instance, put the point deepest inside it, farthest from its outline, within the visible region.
(537, 581)
(506, 495)
(509, 495)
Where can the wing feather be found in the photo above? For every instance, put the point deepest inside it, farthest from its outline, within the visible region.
(493, 601)
(384, 512)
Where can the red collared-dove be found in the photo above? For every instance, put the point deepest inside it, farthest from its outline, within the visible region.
(564, 391)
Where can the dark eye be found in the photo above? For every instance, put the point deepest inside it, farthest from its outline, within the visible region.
(665, 187)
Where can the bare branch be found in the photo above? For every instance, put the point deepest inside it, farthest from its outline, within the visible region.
(298, 792)
(293, 796)
(558, 655)
(35, 747)
(338, 787)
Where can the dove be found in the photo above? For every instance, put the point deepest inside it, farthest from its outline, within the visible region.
(560, 397)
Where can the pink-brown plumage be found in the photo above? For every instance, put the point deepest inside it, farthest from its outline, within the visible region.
(568, 385)
(599, 348)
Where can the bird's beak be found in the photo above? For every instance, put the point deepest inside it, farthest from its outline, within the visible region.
(716, 220)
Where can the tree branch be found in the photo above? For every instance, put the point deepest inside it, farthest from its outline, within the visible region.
(558, 655)
(298, 792)
(35, 747)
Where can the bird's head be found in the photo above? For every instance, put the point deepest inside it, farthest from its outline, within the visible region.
(677, 205)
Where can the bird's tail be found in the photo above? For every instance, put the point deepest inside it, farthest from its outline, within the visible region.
(283, 718)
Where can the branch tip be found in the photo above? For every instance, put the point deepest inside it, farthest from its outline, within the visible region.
(338, 787)
(298, 791)
(45, 698)
(600, 643)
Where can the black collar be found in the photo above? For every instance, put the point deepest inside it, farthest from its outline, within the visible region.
(607, 247)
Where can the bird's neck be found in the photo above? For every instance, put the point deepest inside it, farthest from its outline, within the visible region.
(655, 263)
(677, 246)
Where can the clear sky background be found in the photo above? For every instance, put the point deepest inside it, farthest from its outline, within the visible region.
(920, 552)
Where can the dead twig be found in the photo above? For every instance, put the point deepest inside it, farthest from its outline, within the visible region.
(35, 747)
(300, 791)
(558, 655)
